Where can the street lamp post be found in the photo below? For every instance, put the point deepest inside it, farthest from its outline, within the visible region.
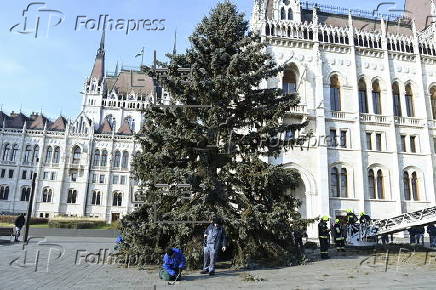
(29, 208)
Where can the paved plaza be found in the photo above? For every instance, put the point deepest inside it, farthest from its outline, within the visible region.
(75, 269)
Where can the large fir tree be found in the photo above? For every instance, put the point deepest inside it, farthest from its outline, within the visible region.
(219, 149)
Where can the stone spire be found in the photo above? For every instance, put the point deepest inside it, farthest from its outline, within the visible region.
(98, 69)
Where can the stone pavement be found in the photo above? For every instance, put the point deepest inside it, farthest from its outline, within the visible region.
(71, 271)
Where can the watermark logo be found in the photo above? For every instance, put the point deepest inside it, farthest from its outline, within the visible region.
(37, 19)
(55, 253)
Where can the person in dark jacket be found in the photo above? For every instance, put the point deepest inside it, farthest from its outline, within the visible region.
(19, 223)
(431, 230)
(173, 263)
(364, 218)
(351, 217)
(215, 239)
(412, 235)
(420, 231)
(323, 234)
(339, 236)
(299, 234)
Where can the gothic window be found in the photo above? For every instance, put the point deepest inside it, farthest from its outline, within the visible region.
(334, 182)
(376, 98)
(27, 153)
(96, 198)
(290, 14)
(371, 184)
(6, 150)
(56, 155)
(344, 183)
(117, 198)
(96, 158)
(433, 101)
(363, 99)
(414, 183)
(35, 153)
(267, 30)
(289, 82)
(409, 101)
(14, 152)
(396, 96)
(48, 154)
(283, 14)
(4, 192)
(335, 95)
(25, 193)
(117, 159)
(72, 196)
(77, 152)
(103, 162)
(47, 194)
(125, 160)
(380, 189)
(406, 184)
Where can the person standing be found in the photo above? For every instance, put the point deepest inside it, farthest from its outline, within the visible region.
(299, 234)
(412, 235)
(323, 234)
(215, 239)
(431, 230)
(339, 236)
(19, 223)
(420, 231)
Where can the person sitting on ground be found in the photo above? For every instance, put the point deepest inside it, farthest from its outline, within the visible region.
(173, 263)
(19, 223)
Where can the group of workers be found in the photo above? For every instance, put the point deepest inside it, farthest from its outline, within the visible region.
(339, 231)
(416, 234)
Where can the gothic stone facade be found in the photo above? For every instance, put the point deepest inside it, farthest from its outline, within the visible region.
(367, 88)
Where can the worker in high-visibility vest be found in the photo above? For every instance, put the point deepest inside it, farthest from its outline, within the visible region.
(339, 236)
(323, 234)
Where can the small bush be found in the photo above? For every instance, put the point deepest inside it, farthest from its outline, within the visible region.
(10, 219)
(65, 223)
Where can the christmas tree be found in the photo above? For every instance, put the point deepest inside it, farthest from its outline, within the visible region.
(216, 136)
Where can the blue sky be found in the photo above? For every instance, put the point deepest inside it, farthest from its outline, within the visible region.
(47, 73)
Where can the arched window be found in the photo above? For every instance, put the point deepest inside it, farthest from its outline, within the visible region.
(363, 99)
(414, 183)
(335, 94)
(290, 14)
(103, 162)
(6, 151)
(117, 199)
(27, 153)
(96, 198)
(35, 154)
(289, 82)
(56, 155)
(125, 160)
(48, 154)
(371, 184)
(72, 196)
(376, 98)
(396, 96)
(117, 159)
(406, 183)
(77, 152)
(344, 183)
(334, 182)
(433, 101)
(283, 14)
(409, 101)
(267, 30)
(14, 153)
(4, 192)
(380, 189)
(25, 193)
(46, 194)
(97, 157)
